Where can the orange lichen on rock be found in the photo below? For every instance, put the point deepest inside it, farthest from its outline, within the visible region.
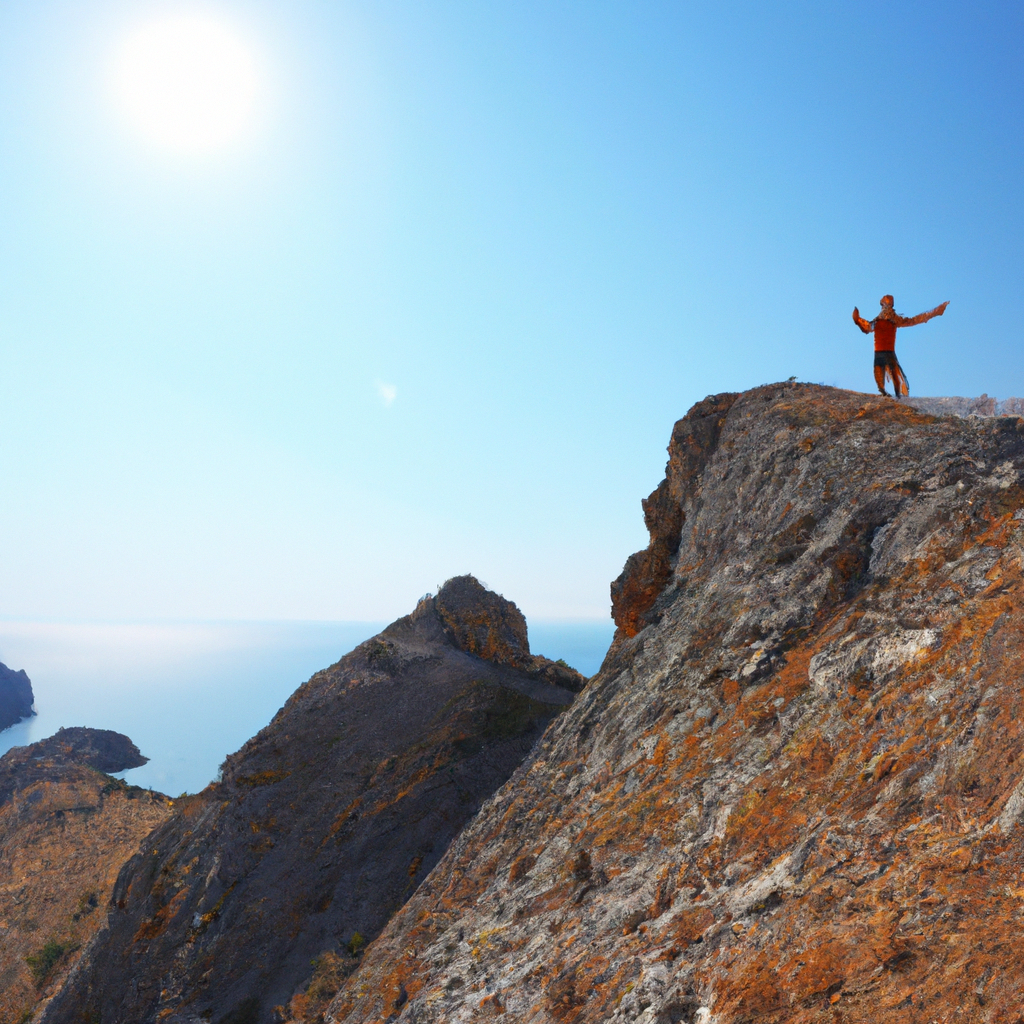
(798, 777)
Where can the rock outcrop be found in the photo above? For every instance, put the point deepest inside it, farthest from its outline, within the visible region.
(795, 791)
(16, 699)
(102, 749)
(252, 903)
(65, 830)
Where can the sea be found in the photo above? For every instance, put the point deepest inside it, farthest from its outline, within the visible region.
(189, 694)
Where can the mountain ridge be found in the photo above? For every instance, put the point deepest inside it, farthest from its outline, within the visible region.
(256, 896)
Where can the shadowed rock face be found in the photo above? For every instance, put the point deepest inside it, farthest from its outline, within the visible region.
(65, 830)
(647, 573)
(16, 698)
(795, 791)
(253, 901)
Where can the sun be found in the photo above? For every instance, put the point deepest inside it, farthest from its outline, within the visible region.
(187, 83)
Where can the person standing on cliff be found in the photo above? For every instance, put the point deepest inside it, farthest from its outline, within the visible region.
(884, 327)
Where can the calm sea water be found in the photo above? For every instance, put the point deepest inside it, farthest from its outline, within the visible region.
(190, 694)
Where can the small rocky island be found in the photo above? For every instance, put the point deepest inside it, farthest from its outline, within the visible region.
(16, 697)
(49, 760)
(102, 749)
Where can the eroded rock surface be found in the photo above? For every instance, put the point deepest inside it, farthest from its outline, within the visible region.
(65, 830)
(795, 791)
(16, 697)
(253, 902)
(959, 406)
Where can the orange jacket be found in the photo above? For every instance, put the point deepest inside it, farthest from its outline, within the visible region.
(884, 325)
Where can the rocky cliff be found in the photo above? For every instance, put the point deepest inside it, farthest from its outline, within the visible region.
(794, 791)
(253, 902)
(65, 830)
(16, 697)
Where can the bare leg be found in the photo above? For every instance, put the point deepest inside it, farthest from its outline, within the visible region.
(880, 379)
(899, 381)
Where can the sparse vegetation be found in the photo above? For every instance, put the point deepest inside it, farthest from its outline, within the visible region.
(329, 973)
(383, 656)
(43, 961)
(87, 903)
(266, 778)
(330, 969)
(213, 913)
(129, 792)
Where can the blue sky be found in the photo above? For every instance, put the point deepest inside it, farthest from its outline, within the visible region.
(437, 311)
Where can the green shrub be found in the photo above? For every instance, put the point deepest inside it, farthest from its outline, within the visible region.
(42, 962)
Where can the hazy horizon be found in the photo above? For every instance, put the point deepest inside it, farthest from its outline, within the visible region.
(189, 694)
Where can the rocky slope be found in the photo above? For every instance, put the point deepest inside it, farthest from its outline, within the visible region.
(16, 697)
(65, 830)
(253, 902)
(794, 791)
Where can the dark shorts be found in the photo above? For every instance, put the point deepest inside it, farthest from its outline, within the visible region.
(886, 359)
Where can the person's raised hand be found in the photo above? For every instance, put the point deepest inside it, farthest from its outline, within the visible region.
(939, 310)
(856, 313)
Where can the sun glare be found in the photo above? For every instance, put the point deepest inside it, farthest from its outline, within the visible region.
(187, 83)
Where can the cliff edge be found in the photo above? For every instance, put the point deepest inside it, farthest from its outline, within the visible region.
(16, 698)
(794, 792)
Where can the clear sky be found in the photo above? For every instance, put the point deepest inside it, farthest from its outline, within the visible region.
(429, 301)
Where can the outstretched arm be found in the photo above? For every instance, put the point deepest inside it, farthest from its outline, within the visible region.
(909, 321)
(863, 324)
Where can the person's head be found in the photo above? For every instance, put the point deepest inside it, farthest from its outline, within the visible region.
(887, 300)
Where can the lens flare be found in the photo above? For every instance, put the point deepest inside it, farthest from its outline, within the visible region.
(188, 84)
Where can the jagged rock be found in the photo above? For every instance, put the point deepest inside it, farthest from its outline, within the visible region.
(253, 902)
(65, 830)
(794, 792)
(647, 572)
(483, 623)
(16, 697)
